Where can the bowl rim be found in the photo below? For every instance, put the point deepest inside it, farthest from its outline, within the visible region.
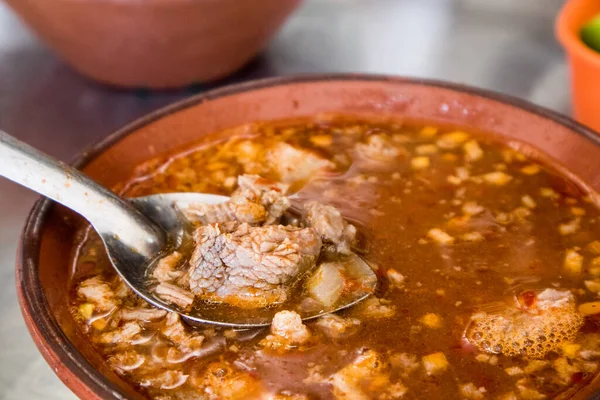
(77, 373)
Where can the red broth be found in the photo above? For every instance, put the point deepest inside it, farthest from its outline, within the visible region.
(473, 244)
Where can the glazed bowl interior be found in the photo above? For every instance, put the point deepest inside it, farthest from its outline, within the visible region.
(44, 264)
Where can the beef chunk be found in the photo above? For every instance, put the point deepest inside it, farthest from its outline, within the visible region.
(331, 226)
(255, 201)
(250, 266)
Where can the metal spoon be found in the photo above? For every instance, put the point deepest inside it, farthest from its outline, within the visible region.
(135, 232)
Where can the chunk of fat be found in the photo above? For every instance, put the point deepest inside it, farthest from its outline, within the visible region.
(294, 165)
(287, 333)
(327, 284)
(369, 369)
(337, 327)
(288, 325)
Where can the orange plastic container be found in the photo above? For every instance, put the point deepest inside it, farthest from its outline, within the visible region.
(584, 62)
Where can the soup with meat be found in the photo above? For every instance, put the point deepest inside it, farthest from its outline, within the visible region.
(487, 264)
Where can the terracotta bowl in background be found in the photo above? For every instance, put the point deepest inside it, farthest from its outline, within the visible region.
(155, 43)
(583, 61)
(44, 257)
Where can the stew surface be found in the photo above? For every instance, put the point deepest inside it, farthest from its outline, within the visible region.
(488, 269)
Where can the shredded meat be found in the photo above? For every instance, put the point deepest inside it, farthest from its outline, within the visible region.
(295, 165)
(141, 314)
(178, 334)
(123, 334)
(175, 294)
(251, 266)
(127, 361)
(221, 380)
(97, 291)
(166, 270)
(331, 226)
(256, 201)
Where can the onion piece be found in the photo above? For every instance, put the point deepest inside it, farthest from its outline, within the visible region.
(327, 283)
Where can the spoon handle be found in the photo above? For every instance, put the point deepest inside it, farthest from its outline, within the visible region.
(110, 215)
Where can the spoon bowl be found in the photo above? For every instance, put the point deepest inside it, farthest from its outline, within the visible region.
(164, 210)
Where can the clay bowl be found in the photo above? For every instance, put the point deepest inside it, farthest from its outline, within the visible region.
(43, 259)
(155, 43)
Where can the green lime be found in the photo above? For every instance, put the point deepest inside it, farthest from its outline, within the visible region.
(590, 33)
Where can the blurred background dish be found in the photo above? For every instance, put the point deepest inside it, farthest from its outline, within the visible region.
(155, 43)
(583, 60)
